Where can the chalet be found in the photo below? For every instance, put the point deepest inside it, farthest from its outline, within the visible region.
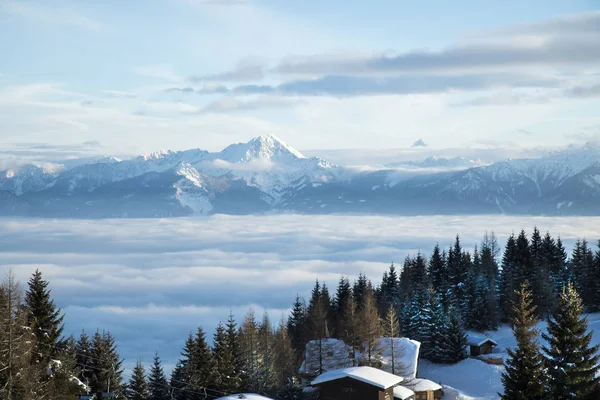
(324, 355)
(479, 344)
(356, 383)
(246, 396)
(424, 389)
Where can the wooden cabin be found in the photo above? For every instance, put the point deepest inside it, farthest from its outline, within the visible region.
(424, 389)
(403, 393)
(356, 383)
(479, 345)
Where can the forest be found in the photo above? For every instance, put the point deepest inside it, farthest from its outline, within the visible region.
(433, 300)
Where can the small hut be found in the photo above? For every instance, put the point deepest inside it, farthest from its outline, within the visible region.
(479, 344)
(424, 389)
(356, 383)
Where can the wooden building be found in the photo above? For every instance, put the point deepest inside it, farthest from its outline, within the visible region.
(424, 389)
(479, 345)
(356, 383)
(403, 393)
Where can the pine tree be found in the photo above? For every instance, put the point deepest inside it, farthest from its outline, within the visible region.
(296, 326)
(350, 325)
(44, 318)
(508, 278)
(433, 322)
(223, 357)
(248, 339)
(438, 271)
(137, 388)
(572, 364)
(453, 340)
(200, 364)
(359, 289)
(524, 374)
(266, 350)
(107, 365)
(84, 361)
(232, 339)
(158, 387)
(342, 295)
(178, 381)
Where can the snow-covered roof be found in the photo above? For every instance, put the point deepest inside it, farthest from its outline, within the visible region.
(422, 385)
(372, 376)
(402, 393)
(247, 396)
(406, 355)
(477, 339)
(335, 354)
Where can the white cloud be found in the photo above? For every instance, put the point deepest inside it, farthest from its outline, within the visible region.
(55, 15)
(160, 71)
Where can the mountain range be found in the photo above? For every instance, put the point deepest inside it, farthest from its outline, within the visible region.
(266, 175)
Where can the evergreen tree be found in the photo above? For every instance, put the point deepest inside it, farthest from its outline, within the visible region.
(342, 295)
(437, 271)
(453, 340)
(508, 279)
(249, 349)
(572, 364)
(224, 363)
(389, 290)
(420, 279)
(137, 388)
(458, 266)
(359, 289)
(232, 338)
(433, 322)
(266, 350)
(158, 387)
(200, 363)
(350, 325)
(84, 361)
(524, 374)
(296, 326)
(411, 318)
(178, 381)
(107, 365)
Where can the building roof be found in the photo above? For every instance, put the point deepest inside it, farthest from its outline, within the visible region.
(247, 396)
(402, 393)
(422, 385)
(372, 376)
(477, 339)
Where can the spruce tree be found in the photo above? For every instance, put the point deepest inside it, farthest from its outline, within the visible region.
(44, 318)
(572, 364)
(249, 350)
(524, 375)
(453, 340)
(342, 294)
(224, 361)
(232, 338)
(137, 388)
(359, 289)
(296, 326)
(200, 365)
(158, 387)
(508, 279)
(107, 365)
(84, 361)
(433, 322)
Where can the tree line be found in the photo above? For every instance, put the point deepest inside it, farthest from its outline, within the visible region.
(432, 299)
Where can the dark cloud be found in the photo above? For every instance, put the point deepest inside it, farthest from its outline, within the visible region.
(583, 91)
(346, 86)
(240, 73)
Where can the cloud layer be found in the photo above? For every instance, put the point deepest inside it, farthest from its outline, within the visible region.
(152, 281)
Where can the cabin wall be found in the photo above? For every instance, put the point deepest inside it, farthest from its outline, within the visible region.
(350, 389)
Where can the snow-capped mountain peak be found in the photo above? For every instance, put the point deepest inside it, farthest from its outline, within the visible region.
(268, 148)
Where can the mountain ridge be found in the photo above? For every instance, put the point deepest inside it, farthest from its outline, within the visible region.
(267, 175)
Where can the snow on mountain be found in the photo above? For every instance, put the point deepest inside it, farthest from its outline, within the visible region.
(266, 147)
(434, 162)
(29, 177)
(191, 191)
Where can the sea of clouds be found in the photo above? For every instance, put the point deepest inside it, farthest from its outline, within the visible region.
(152, 281)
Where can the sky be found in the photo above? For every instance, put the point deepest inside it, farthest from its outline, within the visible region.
(152, 281)
(116, 77)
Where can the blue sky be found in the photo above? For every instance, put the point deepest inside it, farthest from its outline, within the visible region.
(139, 76)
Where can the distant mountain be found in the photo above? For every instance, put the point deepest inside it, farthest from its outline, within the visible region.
(267, 175)
(434, 162)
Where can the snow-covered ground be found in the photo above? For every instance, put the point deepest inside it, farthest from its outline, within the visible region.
(474, 379)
